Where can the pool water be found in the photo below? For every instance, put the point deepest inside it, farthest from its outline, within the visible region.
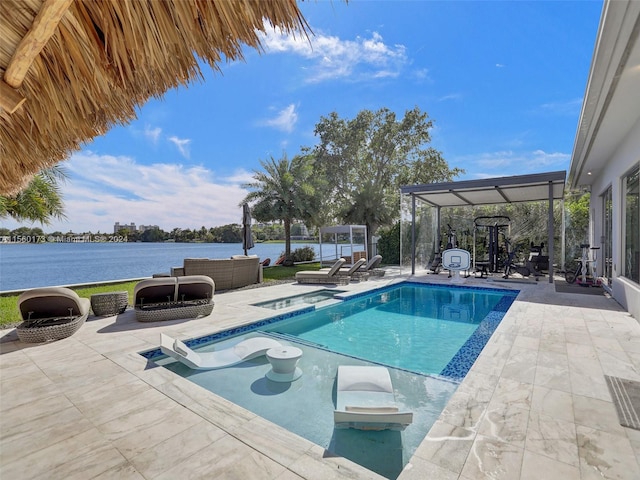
(302, 299)
(427, 336)
(413, 327)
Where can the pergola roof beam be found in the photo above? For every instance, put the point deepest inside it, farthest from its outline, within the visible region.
(499, 190)
(456, 194)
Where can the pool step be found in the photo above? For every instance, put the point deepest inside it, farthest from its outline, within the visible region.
(293, 338)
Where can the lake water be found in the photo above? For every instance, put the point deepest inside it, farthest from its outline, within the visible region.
(24, 266)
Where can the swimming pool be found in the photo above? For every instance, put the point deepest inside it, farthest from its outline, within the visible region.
(302, 299)
(306, 406)
(415, 327)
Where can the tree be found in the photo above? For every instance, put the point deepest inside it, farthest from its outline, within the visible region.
(40, 201)
(284, 192)
(367, 159)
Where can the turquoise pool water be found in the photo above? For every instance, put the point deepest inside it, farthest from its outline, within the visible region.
(413, 327)
(310, 298)
(427, 336)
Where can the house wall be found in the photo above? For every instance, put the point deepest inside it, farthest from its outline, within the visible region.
(627, 155)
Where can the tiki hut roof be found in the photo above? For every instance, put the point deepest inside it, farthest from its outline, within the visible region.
(72, 69)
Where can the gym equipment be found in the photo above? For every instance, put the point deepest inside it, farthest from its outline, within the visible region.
(585, 273)
(540, 262)
(452, 242)
(527, 269)
(494, 226)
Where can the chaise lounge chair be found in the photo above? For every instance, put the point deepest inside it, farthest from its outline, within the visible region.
(372, 267)
(51, 313)
(245, 350)
(365, 400)
(324, 276)
(355, 271)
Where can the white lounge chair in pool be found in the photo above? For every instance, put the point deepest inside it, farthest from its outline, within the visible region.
(365, 400)
(241, 352)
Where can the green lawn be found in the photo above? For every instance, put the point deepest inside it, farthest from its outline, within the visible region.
(10, 315)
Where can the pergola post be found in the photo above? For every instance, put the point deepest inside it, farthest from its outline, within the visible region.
(550, 229)
(413, 235)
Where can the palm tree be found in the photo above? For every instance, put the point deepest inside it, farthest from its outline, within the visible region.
(284, 192)
(40, 201)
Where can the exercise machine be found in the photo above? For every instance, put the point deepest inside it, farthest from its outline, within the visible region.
(494, 227)
(452, 242)
(525, 269)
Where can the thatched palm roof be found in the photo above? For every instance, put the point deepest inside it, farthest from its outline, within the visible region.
(71, 69)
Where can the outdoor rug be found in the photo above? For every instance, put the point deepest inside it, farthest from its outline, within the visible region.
(626, 398)
(563, 287)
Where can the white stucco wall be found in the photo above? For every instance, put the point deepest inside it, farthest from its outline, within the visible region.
(626, 292)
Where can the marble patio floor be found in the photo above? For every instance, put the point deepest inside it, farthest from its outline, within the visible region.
(535, 404)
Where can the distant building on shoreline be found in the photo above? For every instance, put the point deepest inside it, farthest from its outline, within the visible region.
(117, 228)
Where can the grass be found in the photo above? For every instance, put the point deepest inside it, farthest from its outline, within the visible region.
(10, 315)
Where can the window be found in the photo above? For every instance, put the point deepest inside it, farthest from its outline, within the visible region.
(631, 235)
(607, 234)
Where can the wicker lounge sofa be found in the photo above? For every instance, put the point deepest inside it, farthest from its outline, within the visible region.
(235, 272)
(51, 314)
(328, 276)
(171, 298)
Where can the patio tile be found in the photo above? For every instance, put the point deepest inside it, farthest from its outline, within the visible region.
(447, 446)
(492, 459)
(419, 469)
(603, 455)
(222, 457)
(464, 409)
(553, 403)
(281, 445)
(513, 393)
(506, 423)
(82, 456)
(598, 414)
(552, 438)
(176, 449)
(521, 365)
(536, 467)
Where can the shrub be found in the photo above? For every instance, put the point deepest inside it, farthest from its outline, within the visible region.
(304, 254)
(389, 245)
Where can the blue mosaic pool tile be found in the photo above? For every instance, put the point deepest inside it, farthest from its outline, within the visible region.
(461, 363)
(214, 337)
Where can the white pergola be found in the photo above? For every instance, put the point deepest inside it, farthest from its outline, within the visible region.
(488, 191)
(343, 229)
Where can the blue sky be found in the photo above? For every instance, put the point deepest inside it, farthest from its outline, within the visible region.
(502, 81)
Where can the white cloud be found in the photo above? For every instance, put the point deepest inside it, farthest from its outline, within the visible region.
(509, 162)
(333, 57)
(450, 96)
(570, 107)
(182, 144)
(284, 120)
(152, 134)
(104, 189)
(240, 176)
(499, 65)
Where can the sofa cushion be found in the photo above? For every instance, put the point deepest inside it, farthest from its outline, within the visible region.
(154, 290)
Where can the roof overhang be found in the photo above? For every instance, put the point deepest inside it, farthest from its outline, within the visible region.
(611, 105)
(490, 191)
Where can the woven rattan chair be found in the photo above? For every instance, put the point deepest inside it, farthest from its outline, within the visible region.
(51, 313)
(172, 298)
